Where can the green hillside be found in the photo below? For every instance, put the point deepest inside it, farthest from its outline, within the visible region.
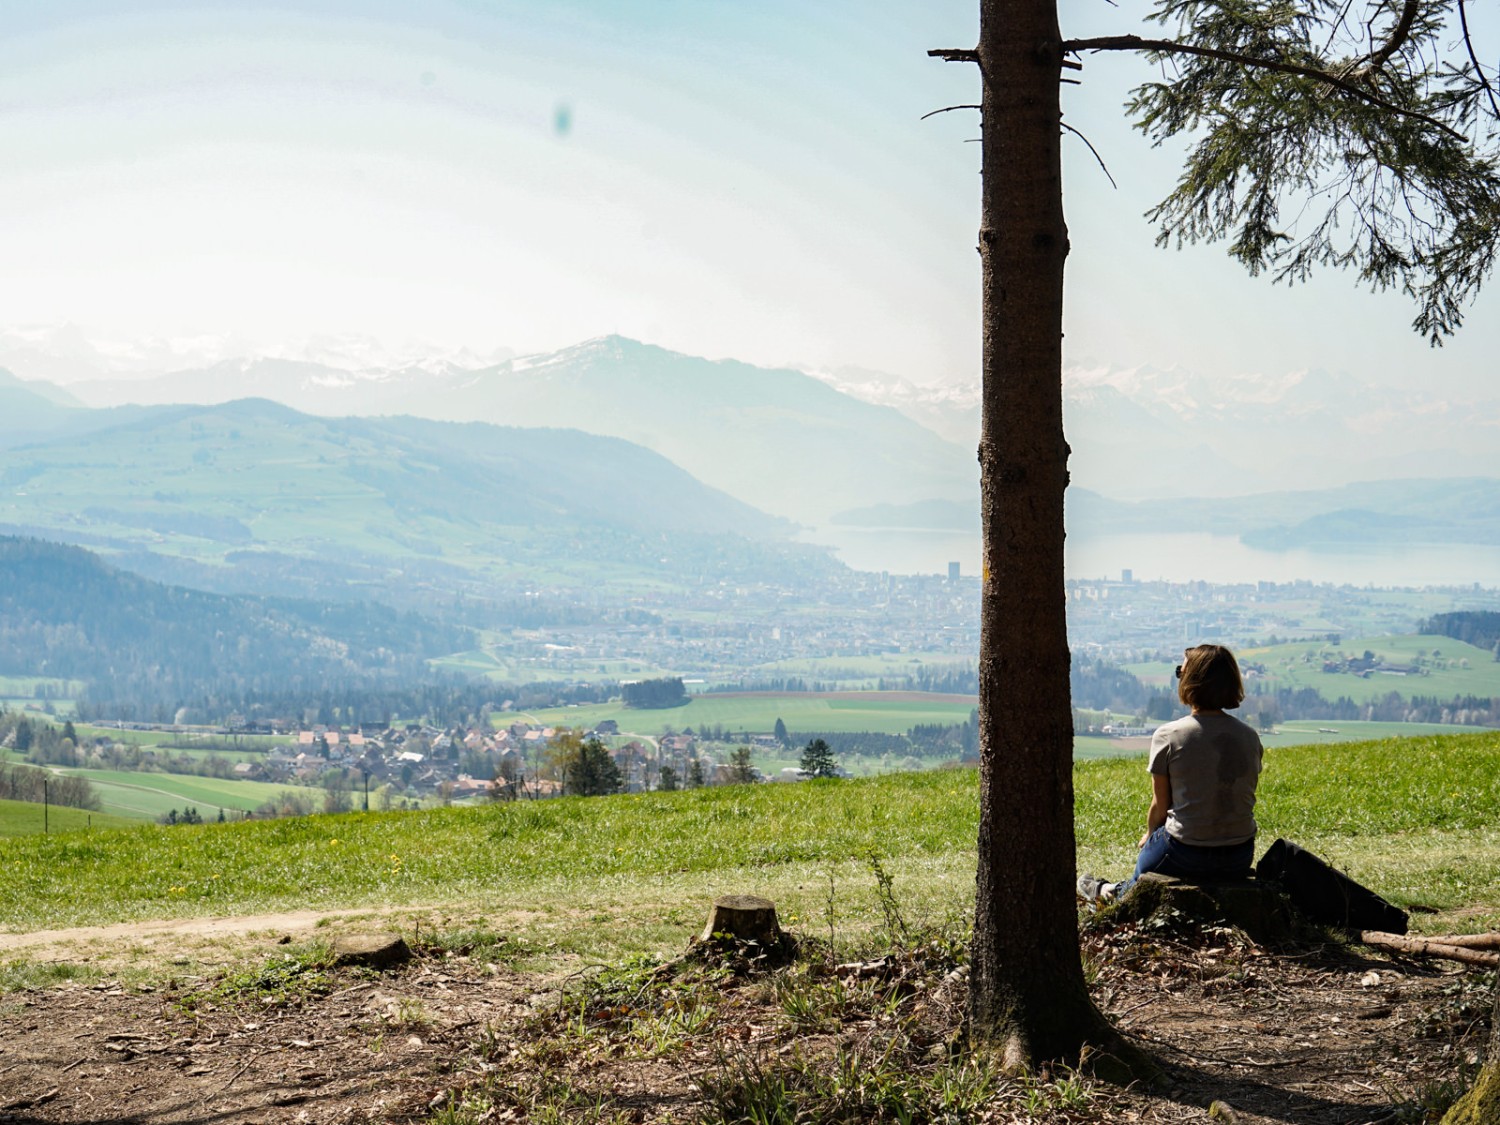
(1413, 818)
(24, 818)
(137, 795)
(64, 610)
(252, 495)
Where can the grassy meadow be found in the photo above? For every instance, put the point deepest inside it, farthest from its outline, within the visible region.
(26, 818)
(1418, 819)
(1458, 669)
(882, 712)
(142, 795)
(193, 742)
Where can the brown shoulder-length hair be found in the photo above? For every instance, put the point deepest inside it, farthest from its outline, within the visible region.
(1209, 679)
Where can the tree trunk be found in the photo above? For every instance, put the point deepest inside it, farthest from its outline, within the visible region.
(1481, 1105)
(1028, 999)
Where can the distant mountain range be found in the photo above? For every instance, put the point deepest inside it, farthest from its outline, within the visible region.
(1145, 432)
(253, 496)
(855, 446)
(779, 440)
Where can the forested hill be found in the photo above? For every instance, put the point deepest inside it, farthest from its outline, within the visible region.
(65, 613)
(253, 497)
(1479, 628)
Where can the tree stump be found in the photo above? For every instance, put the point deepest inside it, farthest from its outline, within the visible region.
(745, 918)
(1260, 911)
(372, 951)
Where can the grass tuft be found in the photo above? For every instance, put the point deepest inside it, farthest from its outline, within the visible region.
(279, 981)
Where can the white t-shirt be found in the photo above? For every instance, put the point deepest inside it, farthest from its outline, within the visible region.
(1213, 762)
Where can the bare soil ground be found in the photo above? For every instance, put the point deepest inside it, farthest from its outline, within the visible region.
(1312, 1036)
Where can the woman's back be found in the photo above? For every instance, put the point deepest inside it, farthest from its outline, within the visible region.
(1213, 762)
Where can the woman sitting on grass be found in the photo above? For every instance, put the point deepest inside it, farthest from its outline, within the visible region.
(1204, 769)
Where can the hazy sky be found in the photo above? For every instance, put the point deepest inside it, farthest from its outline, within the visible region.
(722, 178)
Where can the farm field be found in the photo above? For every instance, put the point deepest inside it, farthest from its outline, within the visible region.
(861, 673)
(883, 712)
(1413, 818)
(146, 796)
(24, 818)
(507, 669)
(1459, 669)
(244, 744)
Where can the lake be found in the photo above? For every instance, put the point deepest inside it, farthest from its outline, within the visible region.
(1179, 557)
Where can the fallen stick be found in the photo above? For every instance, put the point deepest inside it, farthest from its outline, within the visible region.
(1429, 948)
(1469, 941)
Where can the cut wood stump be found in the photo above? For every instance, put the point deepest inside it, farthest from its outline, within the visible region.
(745, 918)
(371, 951)
(1262, 912)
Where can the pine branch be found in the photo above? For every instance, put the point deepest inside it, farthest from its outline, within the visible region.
(1489, 89)
(948, 109)
(1172, 47)
(1399, 34)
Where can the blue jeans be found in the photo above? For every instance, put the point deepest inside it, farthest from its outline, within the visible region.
(1167, 856)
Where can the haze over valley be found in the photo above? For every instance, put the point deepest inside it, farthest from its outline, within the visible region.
(859, 461)
(616, 509)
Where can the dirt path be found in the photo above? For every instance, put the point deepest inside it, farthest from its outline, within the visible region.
(294, 924)
(369, 1050)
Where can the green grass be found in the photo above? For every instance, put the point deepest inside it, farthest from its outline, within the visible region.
(1300, 665)
(1414, 818)
(246, 745)
(516, 853)
(882, 712)
(146, 796)
(23, 818)
(1314, 732)
(501, 668)
(1417, 818)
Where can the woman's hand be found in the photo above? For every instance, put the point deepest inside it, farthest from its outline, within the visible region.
(1144, 839)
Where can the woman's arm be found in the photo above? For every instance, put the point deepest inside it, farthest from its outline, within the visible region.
(1161, 801)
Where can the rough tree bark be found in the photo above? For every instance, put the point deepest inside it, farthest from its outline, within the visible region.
(1481, 1105)
(1028, 997)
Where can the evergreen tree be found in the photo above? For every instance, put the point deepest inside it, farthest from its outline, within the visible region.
(818, 761)
(1317, 134)
(589, 771)
(667, 780)
(695, 777)
(781, 733)
(740, 768)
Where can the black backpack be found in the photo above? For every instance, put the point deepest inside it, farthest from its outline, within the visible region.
(1325, 895)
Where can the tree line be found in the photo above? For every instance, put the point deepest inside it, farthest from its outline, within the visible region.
(1480, 628)
(26, 783)
(666, 692)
